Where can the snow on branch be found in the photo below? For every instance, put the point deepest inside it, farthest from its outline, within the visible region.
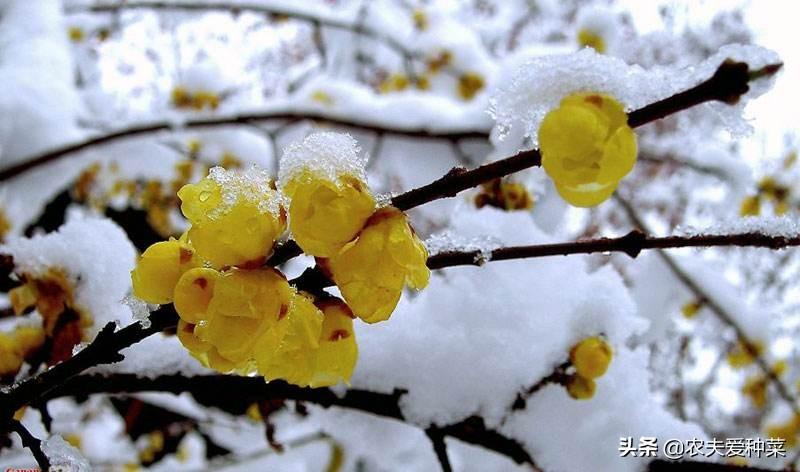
(728, 83)
(220, 390)
(242, 119)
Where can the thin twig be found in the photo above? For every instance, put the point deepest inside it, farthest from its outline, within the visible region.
(631, 244)
(33, 443)
(439, 447)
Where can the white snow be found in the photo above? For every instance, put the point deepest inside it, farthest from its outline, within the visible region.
(95, 255)
(539, 84)
(62, 455)
(328, 154)
(484, 334)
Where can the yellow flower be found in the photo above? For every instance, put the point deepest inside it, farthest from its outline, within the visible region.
(420, 19)
(18, 345)
(751, 206)
(325, 215)
(787, 431)
(742, 355)
(469, 84)
(581, 388)
(193, 293)
(755, 388)
(591, 357)
(235, 217)
(372, 270)
(76, 34)
(288, 350)
(592, 39)
(690, 309)
(587, 147)
(394, 83)
(338, 351)
(245, 304)
(159, 268)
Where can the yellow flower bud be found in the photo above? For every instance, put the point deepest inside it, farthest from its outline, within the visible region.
(581, 388)
(742, 355)
(690, 309)
(325, 215)
(592, 39)
(193, 293)
(288, 350)
(591, 357)
(159, 268)
(236, 217)
(372, 270)
(751, 206)
(587, 147)
(755, 388)
(469, 84)
(394, 83)
(245, 304)
(190, 341)
(787, 431)
(10, 358)
(338, 351)
(17, 345)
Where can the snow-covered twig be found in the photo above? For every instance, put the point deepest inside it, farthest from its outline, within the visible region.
(727, 84)
(219, 389)
(330, 21)
(631, 244)
(243, 119)
(105, 349)
(722, 314)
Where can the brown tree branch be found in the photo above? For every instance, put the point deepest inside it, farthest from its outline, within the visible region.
(727, 84)
(708, 300)
(33, 443)
(222, 390)
(276, 10)
(437, 438)
(631, 244)
(105, 349)
(244, 119)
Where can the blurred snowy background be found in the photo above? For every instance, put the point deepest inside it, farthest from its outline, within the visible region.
(126, 101)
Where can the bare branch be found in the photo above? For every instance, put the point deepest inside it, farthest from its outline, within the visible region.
(439, 447)
(225, 389)
(276, 10)
(244, 119)
(631, 244)
(708, 300)
(33, 443)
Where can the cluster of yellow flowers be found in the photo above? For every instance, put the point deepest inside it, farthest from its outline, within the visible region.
(590, 358)
(238, 315)
(768, 191)
(198, 100)
(504, 194)
(587, 147)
